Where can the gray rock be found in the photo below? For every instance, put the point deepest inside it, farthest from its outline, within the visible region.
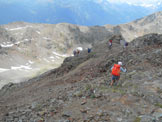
(34, 104)
(157, 115)
(67, 114)
(147, 118)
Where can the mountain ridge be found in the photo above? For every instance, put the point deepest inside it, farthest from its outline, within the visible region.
(28, 48)
(79, 90)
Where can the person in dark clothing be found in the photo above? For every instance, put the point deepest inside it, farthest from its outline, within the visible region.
(74, 52)
(89, 50)
(110, 43)
(125, 44)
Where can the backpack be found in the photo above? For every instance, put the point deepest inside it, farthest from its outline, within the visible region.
(126, 44)
(116, 70)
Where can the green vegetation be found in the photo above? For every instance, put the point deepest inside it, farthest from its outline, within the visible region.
(87, 87)
(158, 105)
(114, 89)
(118, 90)
(159, 90)
(138, 119)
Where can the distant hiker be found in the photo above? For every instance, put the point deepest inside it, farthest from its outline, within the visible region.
(110, 43)
(77, 52)
(125, 44)
(116, 72)
(89, 50)
(74, 52)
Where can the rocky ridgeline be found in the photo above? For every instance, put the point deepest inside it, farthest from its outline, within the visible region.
(79, 90)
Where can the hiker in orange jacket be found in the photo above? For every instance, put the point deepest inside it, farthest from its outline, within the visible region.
(116, 72)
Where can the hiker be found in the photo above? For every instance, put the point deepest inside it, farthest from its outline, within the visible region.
(116, 72)
(110, 43)
(78, 52)
(89, 50)
(125, 44)
(74, 52)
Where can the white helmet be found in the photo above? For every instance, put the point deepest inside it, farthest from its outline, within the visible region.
(120, 63)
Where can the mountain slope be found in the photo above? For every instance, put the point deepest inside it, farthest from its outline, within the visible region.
(79, 91)
(140, 27)
(30, 49)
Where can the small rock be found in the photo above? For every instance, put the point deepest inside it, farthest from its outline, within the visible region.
(158, 115)
(83, 110)
(53, 100)
(66, 114)
(34, 104)
(84, 102)
(98, 95)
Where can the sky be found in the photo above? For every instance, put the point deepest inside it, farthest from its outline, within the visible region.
(134, 2)
(137, 2)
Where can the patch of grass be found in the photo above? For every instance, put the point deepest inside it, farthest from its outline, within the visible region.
(92, 96)
(128, 84)
(38, 107)
(158, 105)
(114, 89)
(105, 88)
(87, 87)
(159, 90)
(135, 86)
(138, 119)
(118, 90)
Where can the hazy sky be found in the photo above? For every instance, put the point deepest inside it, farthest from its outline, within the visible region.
(113, 1)
(137, 1)
(145, 3)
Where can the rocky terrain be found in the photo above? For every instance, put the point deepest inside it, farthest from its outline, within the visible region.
(79, 89)
(27, 50)
(140, 27)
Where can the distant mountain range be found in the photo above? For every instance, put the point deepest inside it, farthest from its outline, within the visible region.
(81, 12)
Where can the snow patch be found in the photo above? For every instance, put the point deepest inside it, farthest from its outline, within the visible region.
(57, 57)
(27, 63)
(38, 32)
(31, 62)
(9, 45)
(19, 28)
(135, 36)
(26, 39)
(46, 60)
(51, 57)
(21, 67)
(3, 70)
(57, 54)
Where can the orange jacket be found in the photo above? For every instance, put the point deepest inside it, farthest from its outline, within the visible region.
(116, 70)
